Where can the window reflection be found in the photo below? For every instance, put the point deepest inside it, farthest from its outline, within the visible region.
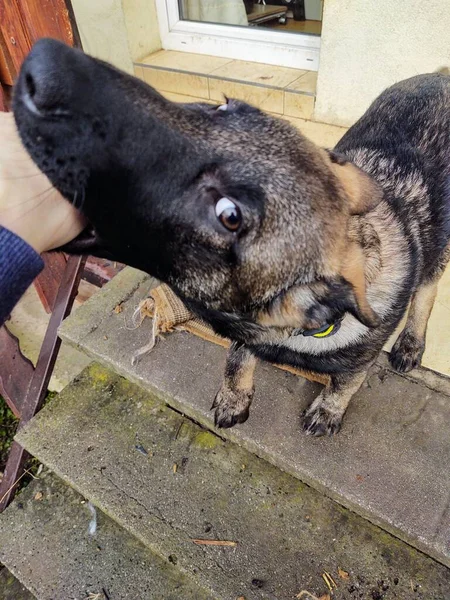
(294, 16)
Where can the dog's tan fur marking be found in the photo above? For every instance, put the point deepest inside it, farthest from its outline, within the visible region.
(410, 345)
(362, 192)
(289, 311)
(242, 378)
(232, 402)
(353, 270)
(421, 307)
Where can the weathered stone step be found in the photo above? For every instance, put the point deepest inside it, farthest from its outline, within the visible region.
(44, 541)
(390, 463)
(170, 482)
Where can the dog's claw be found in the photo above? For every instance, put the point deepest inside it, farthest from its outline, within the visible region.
(320, 421)
(232, 407)
(223, 419)
(407, 352)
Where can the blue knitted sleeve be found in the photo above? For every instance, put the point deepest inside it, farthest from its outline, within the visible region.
(19, 265)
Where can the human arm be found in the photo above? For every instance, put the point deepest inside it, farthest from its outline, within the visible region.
(34, 217)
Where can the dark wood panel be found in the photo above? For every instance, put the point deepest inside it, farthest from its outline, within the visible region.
(5, 68)
(5, 97)
(14, 39)
(23, 22)
(46, 18)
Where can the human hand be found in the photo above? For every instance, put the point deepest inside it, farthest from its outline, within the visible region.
(30, 206)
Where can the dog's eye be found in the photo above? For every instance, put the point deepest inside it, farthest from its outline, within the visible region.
(228, 214)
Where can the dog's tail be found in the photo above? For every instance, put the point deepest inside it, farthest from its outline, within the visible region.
(443, 71)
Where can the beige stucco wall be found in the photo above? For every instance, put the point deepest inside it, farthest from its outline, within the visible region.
(142, 26)
(119, 31)
(369, 44)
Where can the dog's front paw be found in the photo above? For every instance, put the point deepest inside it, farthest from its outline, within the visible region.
(232, 407)
(319, 420)
(407, 352)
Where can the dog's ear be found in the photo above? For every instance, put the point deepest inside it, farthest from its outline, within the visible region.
(362, 192)
(353, 272)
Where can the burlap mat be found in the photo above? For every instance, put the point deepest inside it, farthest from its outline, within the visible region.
(169, 313)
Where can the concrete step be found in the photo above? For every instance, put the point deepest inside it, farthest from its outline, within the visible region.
(44, 541)
(170, 482)
(389, 463)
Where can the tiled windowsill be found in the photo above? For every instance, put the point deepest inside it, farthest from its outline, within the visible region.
(267, 76)
(279, 90)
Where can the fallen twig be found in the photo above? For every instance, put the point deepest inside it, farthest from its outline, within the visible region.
(214, 543)
(311, 596)
(26, 472)
(330, 582)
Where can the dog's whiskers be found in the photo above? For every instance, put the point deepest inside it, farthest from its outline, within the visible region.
(83, 198)
(79, 193)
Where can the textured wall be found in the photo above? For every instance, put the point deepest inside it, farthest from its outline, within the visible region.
(369, 44)
(119, 31)
(142, 26)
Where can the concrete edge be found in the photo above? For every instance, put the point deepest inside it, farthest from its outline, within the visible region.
(427, 377)
(102, 303)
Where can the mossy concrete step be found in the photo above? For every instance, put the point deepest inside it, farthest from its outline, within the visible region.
(390, 462)
(11, 588)
(169, 482)
(45, 542)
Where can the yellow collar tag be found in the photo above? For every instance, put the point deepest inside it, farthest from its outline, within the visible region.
(322, 332)
(327, 332)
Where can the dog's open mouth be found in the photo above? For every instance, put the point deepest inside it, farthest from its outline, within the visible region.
(84, 242)
(88, 242)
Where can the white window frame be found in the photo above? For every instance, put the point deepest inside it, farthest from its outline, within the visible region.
(257, 44)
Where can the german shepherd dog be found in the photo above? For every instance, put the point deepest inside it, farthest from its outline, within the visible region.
(299, 255)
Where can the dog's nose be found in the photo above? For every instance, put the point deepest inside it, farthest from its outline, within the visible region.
(45, 80)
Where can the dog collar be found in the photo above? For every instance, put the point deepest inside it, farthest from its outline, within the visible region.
(324, 331)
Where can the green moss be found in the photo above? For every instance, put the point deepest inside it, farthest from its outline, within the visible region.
(8, 426)
(98, 374)
(206, 440)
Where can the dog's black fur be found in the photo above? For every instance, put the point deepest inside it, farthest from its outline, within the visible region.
(351, 235)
